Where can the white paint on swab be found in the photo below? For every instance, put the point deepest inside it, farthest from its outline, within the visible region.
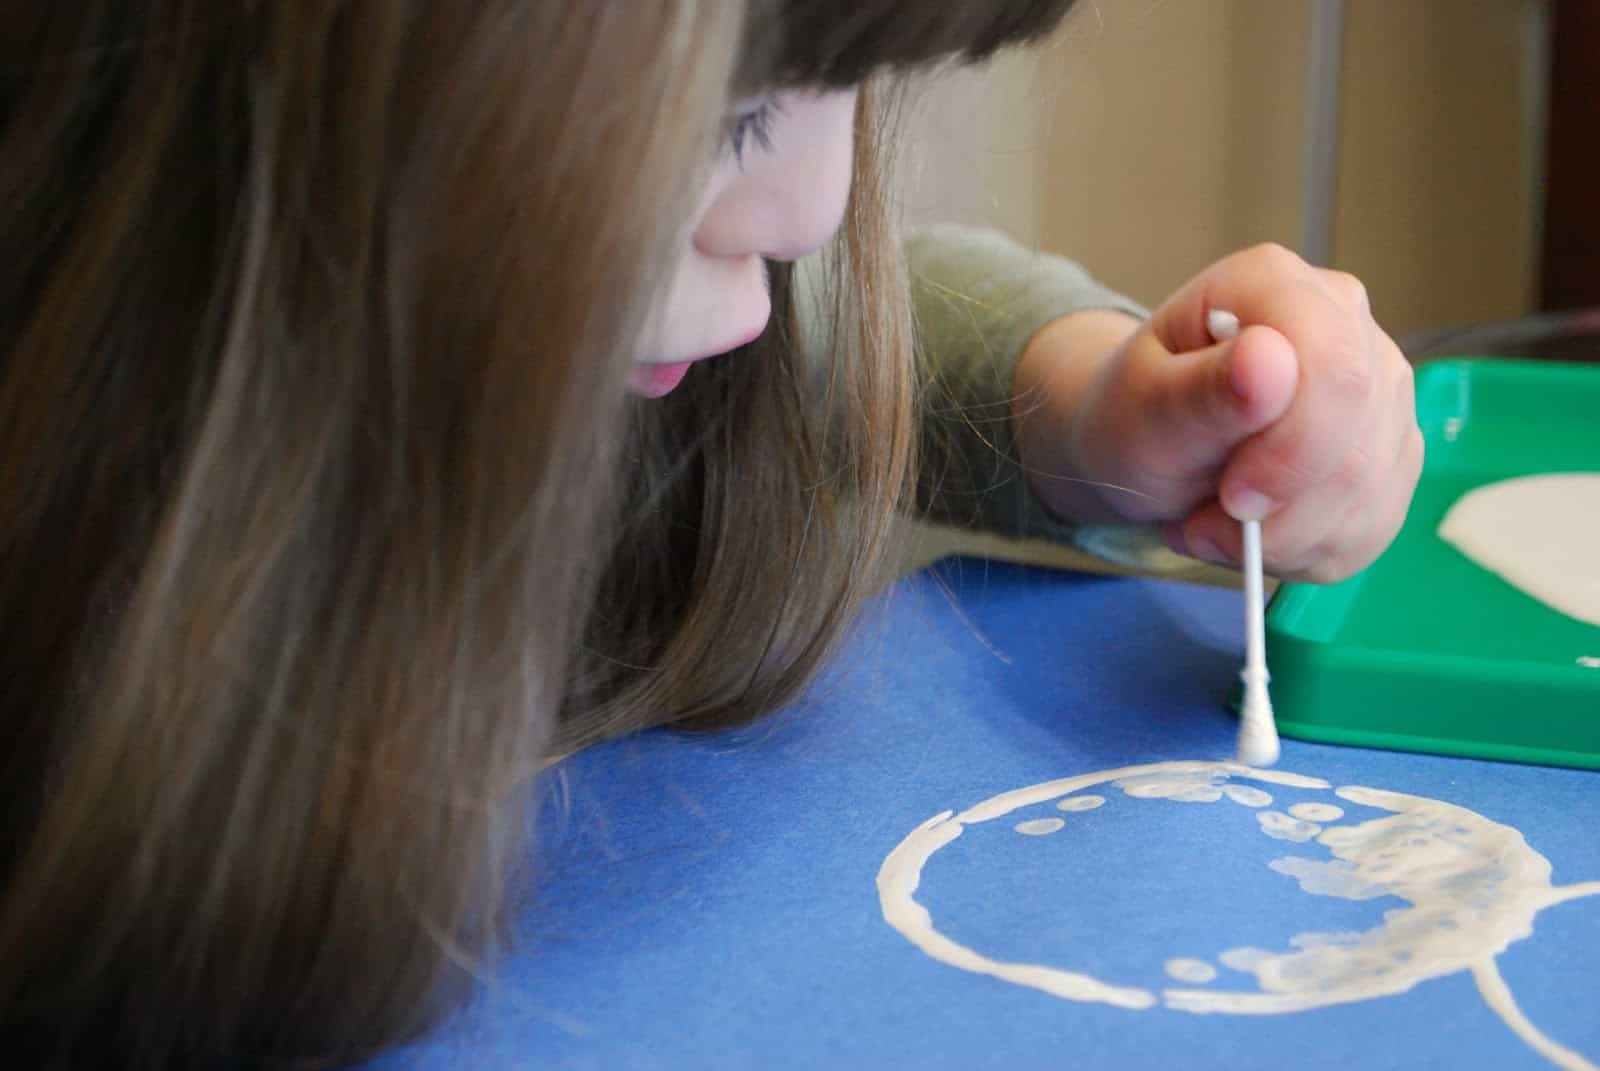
(1223, 325)
(1258, 729)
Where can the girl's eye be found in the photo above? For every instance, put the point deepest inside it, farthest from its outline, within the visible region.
(751, 123)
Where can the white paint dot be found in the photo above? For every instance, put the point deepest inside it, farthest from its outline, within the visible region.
(1245, 959)
(1248, 795)
(1280, 826)
(1038, 827)
(1080, 803)
(1317, 812)
(1195, 971)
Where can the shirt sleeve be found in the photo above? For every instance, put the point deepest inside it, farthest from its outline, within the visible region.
(979, 298)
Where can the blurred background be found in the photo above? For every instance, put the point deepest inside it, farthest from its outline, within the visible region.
(1152, 136)
(1439, 149)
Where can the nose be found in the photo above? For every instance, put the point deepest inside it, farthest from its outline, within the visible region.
(784, 202)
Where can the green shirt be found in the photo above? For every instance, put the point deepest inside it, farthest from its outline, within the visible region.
(979, 298)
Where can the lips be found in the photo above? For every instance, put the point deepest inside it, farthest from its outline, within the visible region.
(653, 380)
(656, 380)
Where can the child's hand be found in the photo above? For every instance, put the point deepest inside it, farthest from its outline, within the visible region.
(1306, 421)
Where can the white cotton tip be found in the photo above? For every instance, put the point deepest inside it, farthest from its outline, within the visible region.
(1258, 730)
(1222, 324)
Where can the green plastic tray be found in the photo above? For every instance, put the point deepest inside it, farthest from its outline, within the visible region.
(1426, 651)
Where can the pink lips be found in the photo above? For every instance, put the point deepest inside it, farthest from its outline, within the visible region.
(656, 380)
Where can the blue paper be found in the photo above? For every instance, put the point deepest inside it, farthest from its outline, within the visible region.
(711, 902)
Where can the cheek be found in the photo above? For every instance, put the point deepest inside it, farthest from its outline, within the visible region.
(814, 175)
(780, 204)
(832, 196)
(785, 201)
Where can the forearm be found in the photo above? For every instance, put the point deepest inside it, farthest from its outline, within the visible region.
(1053, 379)
(980, 298)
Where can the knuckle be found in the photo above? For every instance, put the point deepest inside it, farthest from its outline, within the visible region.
(1350, 289)
(1287, 471)
(1349, 374)
(1343, 552)
(1405, 377)
(1364, 533)
(1276, 259)
(1294, 555)
(1358, 470)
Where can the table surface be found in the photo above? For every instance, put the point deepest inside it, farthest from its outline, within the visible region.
(715, 901)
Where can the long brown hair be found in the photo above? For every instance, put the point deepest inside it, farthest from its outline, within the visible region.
(314, 317)
(761, 493)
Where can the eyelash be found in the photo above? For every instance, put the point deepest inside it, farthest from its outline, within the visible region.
(754, 125)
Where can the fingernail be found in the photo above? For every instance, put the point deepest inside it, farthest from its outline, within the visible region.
(1248, 504)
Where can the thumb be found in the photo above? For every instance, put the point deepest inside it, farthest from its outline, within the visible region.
(1221, 395)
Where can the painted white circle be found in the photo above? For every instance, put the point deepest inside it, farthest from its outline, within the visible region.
(1471, 887)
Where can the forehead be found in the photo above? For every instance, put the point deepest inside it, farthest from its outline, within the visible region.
(838, 43)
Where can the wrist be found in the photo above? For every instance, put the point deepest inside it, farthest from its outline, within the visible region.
(1053, 387)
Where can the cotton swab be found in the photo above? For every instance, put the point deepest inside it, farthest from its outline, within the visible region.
(1258, 730)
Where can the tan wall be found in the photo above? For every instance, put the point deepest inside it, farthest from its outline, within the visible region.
(1435, 207)
(1152, 136)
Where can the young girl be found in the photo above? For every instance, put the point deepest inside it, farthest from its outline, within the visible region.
(394, 394)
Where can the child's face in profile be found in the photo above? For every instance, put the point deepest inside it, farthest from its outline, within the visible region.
(777, 191)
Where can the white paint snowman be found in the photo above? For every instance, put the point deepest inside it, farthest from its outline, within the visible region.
(1473, 887)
